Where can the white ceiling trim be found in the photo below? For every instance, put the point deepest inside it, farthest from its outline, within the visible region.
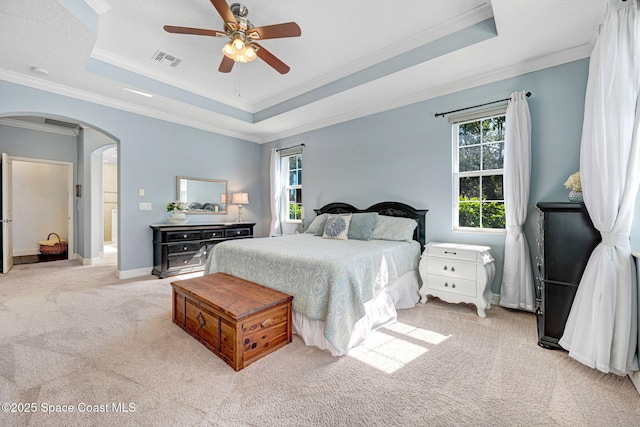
(38, 126)
(99, 6)
(58, 89)
(145, 72)
(501, 73)
(462, 21)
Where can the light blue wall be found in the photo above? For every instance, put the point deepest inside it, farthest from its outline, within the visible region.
(406, 154)
(151, 153)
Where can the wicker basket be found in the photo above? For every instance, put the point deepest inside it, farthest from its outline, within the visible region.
(56, 249)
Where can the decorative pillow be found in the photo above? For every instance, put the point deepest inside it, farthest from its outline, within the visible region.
(362, 225)
(337, 227)
(394, 228)
(317, 225)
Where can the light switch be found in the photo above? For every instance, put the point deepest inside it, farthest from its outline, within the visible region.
(141, 192)
(144, 206)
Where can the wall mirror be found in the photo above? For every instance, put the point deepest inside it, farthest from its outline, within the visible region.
(202, 196)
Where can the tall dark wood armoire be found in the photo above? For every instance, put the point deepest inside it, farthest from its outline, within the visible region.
(567, 238)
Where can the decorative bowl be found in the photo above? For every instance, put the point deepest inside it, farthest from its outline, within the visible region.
(177, 221)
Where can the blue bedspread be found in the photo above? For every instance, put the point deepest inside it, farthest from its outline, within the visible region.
(329, 279)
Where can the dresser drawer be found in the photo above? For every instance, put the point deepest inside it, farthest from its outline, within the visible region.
(177, 236)
(451, 268)
(183, 247)
(448, 284)
(212, 234)
(237, 232)
(183, 260)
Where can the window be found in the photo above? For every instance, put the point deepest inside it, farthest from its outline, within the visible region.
(478, 173)
(292, 174)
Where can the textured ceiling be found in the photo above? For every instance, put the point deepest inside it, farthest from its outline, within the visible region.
(353, 58)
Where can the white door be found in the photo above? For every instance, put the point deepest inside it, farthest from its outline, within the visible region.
(7, 215)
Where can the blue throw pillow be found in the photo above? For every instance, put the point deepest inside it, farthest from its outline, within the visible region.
(362, 225)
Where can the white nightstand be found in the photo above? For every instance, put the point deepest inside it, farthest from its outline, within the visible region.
(457, 273)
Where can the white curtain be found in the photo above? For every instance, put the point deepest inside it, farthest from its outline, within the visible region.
(276, 192)
(517, 277)
(601, 330)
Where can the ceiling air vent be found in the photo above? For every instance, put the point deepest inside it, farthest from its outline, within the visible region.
(60, 123)
(165, 58)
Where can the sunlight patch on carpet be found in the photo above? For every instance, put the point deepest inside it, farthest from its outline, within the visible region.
(394, 346)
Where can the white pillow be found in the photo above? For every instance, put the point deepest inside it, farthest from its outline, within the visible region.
(337, 227)
(394, 228)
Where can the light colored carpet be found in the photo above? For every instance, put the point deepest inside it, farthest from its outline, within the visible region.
(75, 335)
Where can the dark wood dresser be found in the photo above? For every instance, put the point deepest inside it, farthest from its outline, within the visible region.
(179, 249)
(567, 238)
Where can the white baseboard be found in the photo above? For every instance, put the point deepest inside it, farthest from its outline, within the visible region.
(138, 272)
(495, 299)
(635, 379)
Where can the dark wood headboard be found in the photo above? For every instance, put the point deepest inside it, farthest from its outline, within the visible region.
(385, 208)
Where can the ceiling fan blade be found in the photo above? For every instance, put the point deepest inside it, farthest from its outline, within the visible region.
(226, 65)
(225, 11)
(289, 29)
(196, 31)
(270, 59)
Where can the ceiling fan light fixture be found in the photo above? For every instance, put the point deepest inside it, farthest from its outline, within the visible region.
(238, 45)
(228, 50)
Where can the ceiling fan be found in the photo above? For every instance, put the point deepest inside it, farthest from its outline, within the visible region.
(242, 46)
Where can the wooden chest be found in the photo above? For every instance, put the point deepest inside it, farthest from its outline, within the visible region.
(239, 321)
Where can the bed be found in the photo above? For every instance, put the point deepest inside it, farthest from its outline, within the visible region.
(345, 286)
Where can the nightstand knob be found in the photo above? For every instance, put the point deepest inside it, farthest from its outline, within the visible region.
(185, 248)
(184, 236)
(453, 286)
(445, 268)
(446, 284)
(453, 269)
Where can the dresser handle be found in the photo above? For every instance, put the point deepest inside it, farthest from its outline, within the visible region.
(184, 236)
(453, 269)
(453, 286)
(185, 248)
(449, 252)
(446, 284)
(445, 268)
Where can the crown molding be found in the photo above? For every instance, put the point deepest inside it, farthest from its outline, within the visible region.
(152, 74)
(58, 89)
(100, 7)
(475, 80)
(37, 126)
(460, 22)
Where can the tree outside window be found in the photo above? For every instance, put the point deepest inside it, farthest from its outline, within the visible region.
(293, 186)
(479, 173)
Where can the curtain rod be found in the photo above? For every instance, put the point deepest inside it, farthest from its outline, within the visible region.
(288, 148)
(475, 106)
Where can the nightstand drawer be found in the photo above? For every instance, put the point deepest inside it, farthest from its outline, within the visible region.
(452, 251)
(448, 284)
(451, 268)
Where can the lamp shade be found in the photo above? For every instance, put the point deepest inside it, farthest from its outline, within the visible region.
(240, 199)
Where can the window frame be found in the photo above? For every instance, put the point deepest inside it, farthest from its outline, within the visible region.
(286, 187)
(456, 175)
